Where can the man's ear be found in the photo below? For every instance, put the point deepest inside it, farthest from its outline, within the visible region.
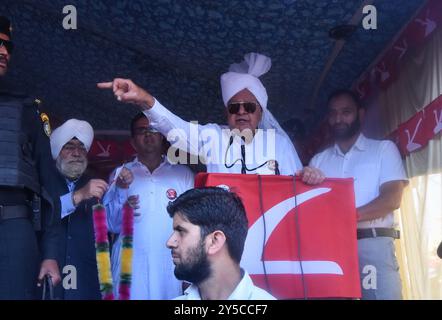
(215, 242)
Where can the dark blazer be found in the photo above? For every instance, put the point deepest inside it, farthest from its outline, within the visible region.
(76, 246)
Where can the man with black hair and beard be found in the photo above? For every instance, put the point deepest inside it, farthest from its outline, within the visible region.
(209, 230)
(379, 179)
(74, 195)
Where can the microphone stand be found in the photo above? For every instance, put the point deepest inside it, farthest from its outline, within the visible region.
(277, 168)
(243, 156)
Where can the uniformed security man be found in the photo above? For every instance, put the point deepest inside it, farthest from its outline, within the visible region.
(25, 167)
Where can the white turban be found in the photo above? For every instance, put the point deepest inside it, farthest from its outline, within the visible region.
(72, 128)
(245, 75)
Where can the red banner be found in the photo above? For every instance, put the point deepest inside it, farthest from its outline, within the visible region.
(102, 150)
(108, 153)
(388, 66)
(415, 133)
(297, 247)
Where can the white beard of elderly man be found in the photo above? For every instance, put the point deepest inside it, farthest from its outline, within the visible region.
(74, 195)
(72, 161)
(253, 142)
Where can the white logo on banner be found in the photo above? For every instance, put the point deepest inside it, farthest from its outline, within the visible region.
(105, 152)
(251, 260)
(384, 72)
(411, 145)
(438, 126)
(429, 24)
(403, 48)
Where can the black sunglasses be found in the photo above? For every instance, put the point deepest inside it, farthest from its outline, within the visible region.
(7, 44)
(144, 130)
(249, 107)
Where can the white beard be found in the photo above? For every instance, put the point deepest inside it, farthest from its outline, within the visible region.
(71, 171)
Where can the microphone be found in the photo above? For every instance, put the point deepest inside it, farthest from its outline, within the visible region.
(230, 141)
(439, 250)
(243, 156)
(277, 173)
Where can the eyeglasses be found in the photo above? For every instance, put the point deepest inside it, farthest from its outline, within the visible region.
(249, 107)
(7, 44)
(144, 130)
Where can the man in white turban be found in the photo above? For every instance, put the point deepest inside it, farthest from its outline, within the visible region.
(77, 193)
(239, 148)
(70, 144)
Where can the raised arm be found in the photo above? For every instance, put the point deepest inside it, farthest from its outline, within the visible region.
(182, 134)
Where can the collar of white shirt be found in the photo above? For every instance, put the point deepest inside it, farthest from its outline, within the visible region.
(360, 144)
(243, 290)
(136, 162)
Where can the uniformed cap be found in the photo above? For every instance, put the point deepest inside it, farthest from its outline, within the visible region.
(5, 26)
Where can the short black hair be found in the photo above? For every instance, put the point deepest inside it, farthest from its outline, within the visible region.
(346, 92)
(134, 120)
(138, 116)
(212, 209)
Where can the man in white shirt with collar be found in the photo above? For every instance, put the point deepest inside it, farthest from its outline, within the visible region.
(148, 183)
(379, 179)
(252, 142)
(209, 230)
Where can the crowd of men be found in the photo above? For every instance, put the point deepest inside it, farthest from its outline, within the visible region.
(179, 233)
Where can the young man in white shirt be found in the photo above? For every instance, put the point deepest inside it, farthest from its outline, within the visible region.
(209, 231)
(379, 179)
(149, 182)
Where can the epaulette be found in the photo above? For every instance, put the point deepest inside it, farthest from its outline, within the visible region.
(43, 117)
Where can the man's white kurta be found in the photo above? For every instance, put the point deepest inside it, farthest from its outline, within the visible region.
(213, 144)
(152, 267)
